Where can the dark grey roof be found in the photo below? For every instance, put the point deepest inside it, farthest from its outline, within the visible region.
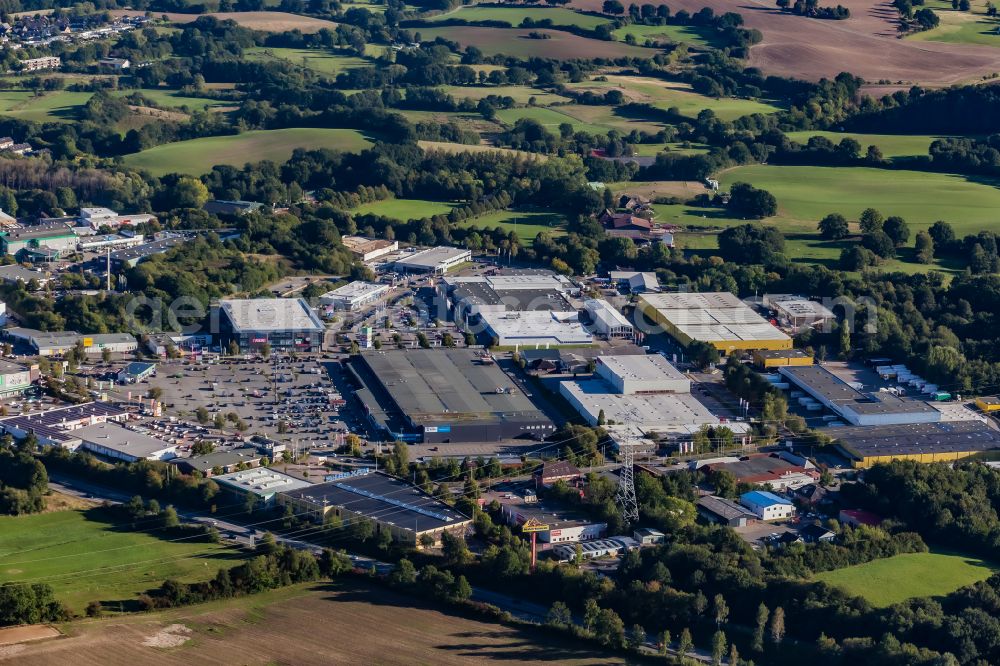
(929, 438)
(384, 499)
(839, 392)
(47, 424)
(221, 458)
(720, 506)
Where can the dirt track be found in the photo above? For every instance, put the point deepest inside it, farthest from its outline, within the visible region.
(864, 45)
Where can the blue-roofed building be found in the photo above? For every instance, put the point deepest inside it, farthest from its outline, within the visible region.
(135, 372)
(767, 506)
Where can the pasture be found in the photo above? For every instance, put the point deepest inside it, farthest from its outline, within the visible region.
(55, 106)
(321, 61)
(891, 145)
(198, 156)
(173, 99)
(676, 34)
(516, 42)
(307, 625)
(526, 224)
(893, 579)
(85, 556)
(583, 118)
(958, 27)
(806, 194)
(404, 209)
(520, 94)
(513, 16)
(670, 94)
(455, 148)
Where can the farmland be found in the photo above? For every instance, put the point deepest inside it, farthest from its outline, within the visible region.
(320, 61)
(85, 557)
(958, 27)
(515, 15)
(806, 194)
(893, 579)
(447, 147)
(527, 224)
(520, 94)
(266, 21)
(307, 625)
(516, 42)
(667, 95)
(592, 119)
(198, 156)
(677, 34)
(891, 145)
(59, 106)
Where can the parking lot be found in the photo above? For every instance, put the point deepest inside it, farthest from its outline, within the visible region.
(262, 394)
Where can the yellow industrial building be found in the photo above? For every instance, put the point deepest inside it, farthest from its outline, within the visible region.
(717, 318)
(866, 446)
(764, 359)
(988, 403)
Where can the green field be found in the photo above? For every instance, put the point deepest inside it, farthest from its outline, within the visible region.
(891, 145)
(319, 60)
(515, 15)
(198, 156)
(583, 118)
(404, 209)
(527, 224)
(669, 94)
(893, 579)
(958, 27)
(173, 99)
(85, 558)
(56, 106)
(678, 34)
(806, 194)
(518, 42)
(520, 94)
(653, 149)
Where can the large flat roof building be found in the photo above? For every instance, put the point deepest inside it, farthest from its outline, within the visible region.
(922, 442)
(284, 323)
(538, 328)
(717, 318)
(354, 295)
(434, 260)
(404, 511)
(261, 483)
(112, 440)
(58, 426)
(606, 320)
(854, 406)
(641, 373)
(444, 395)
(369, 249)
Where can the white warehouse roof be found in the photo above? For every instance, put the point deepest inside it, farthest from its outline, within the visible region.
(271, 314)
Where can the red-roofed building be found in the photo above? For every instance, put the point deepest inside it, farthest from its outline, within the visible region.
(627, 225)
(557, 470)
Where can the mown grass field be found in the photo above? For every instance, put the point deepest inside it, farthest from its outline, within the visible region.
(85, 558)
(583, 118)
(807, 194)
(515, 15)
(516, 42)
(520, 94)
(526, 224)
(678, 34)
(893, 579)
(958, 27)
(309, 625)
(891, 145)
(671, 94)
(198, 156)
(319, 60)
(404, 209)
(173, 99)
(55, 106)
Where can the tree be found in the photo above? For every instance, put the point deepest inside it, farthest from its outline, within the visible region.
(734, 655)
(745, 200)
(703, 354)
(637, 636)
(106, 355)
(590, 611)
(721, 610)
(751, 243)
(188, 192)
(834, 227)
(870, 220)
(362, 529)
(559, 615)
(609, 629)
(896, 228)
(718, 648)
(202, 415)
(924, 247)
(758, 633)
(169, 518)
(267, 544)
(879, 243)
(613, 7)
(684, 644)
(942, 234)
(778, 625)
(664, 641)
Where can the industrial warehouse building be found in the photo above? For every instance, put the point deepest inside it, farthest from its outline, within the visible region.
(368, 249)
(767, 506)
(800, 313)
(717, 318)
(50, 343)
(645, 392)
(606, 320)
(538, 329)
(765, 359)
(261, 483)
(354, 295)
(854, 406)
(922, 442)
(284, 323)
(437, 260)
(395, 507)
(16, 379)
(721, 511)
(57, 426)
(444, 395)
(115, 441)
